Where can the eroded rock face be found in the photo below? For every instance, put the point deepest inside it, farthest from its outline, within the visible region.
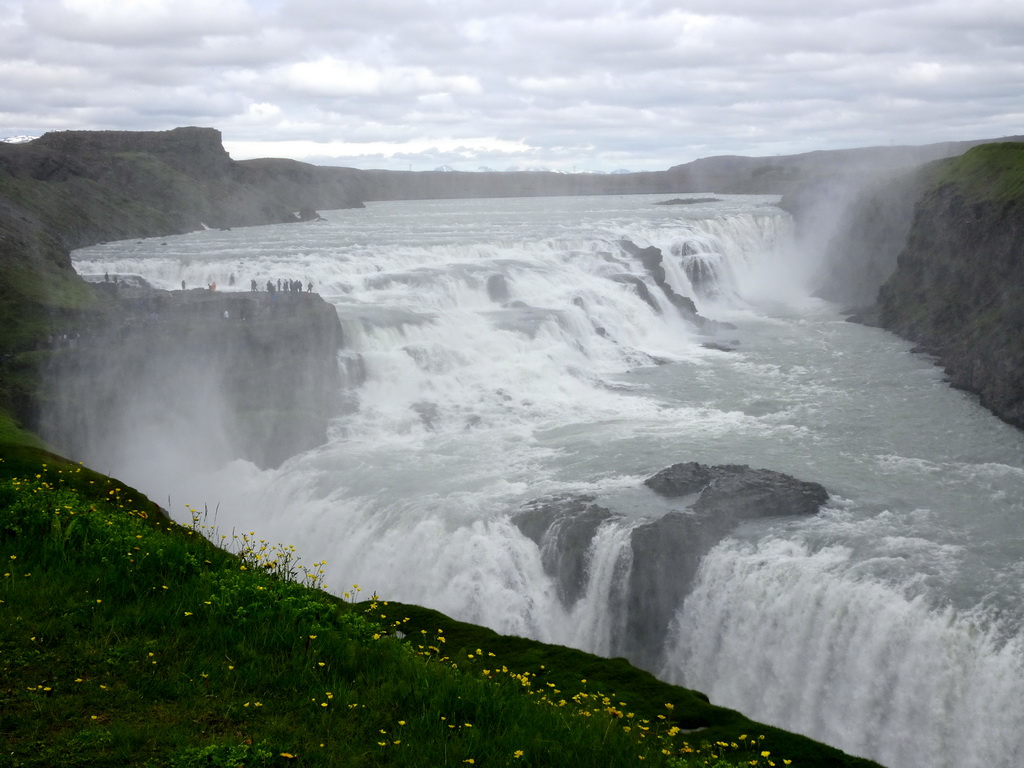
(651, 258)
(249, 375)
(497, 289)
(666, 551)
(564, 528)
(958, 289)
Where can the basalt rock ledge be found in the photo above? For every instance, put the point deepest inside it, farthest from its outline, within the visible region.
(700, 505)
(250, 375)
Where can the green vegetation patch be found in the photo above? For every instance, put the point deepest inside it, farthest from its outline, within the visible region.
(11, 432)
(128, 640)
(990, 172)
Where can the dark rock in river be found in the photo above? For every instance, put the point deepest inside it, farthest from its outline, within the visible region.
(497, 288)
(667, 552)
(564, 528)
(739, 491)
(651, 258)
(640, 287)
(664, 553)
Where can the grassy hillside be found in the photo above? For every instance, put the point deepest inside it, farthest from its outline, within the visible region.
(128, 640)
(992, 173)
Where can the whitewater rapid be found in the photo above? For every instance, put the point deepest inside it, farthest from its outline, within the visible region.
(890, 625)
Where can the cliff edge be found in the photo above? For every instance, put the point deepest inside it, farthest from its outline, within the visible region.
(958, 288)
(216, 375)
(69, 189)
(91, 186)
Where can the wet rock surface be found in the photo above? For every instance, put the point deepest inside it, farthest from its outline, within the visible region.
(254, 375)
(564, 528)
(737, 491)
(665, 552)
(651, 258)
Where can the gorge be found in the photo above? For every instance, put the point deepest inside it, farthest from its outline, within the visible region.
(886, 624)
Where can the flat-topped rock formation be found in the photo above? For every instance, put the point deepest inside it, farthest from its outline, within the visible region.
(253, 375)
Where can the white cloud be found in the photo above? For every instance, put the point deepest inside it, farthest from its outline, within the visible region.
(591, 83)
(332, 77)
(130, 24)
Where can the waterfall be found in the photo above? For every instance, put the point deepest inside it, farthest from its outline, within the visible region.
(797, 640)
(498, 352)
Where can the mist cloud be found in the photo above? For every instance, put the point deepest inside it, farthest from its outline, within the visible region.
(599, 84)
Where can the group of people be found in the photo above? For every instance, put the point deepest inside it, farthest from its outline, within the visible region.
(289, 286)
(293, 286)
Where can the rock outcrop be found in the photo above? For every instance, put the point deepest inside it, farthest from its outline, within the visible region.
(668, 551)
(664, 552)
(563, 528)
(651, 259)
(220, 375)
(75, 188)
(958, 289)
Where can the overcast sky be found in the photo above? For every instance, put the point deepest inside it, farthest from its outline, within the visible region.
(561, 84)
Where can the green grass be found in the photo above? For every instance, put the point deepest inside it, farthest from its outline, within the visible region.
(988, 173)
(128, 640)
(11, 432)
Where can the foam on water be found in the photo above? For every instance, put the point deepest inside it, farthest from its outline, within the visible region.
(797, 635)
(889, 625)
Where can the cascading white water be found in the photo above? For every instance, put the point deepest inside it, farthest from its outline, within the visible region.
(850, 659)
(510, 349)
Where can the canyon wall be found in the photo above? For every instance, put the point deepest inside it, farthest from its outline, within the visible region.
(274, 367)
(935, 254)
(958, 287)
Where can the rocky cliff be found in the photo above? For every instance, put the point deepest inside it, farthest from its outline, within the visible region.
(74, 188)
(214, 375)
(935, 254)
(708, 503)
(958, 288)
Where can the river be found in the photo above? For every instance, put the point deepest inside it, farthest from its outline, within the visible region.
(500, 350)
